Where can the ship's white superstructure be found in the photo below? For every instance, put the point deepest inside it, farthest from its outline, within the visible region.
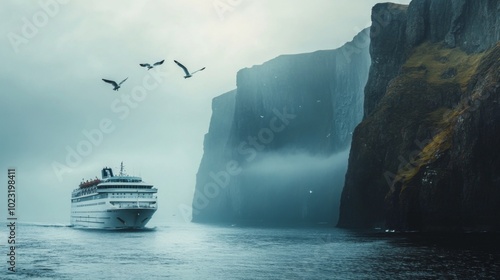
(113, 202)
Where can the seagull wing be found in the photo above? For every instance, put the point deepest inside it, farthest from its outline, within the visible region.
(183, 67)
(145, 65)
(198, 70)
(159, 63)
(123, 81)
(111, 82)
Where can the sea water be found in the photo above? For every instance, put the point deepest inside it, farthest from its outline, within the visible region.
(197, 251)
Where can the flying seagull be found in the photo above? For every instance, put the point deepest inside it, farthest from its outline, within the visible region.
(116, 86)
(149, 66)
(188, 75)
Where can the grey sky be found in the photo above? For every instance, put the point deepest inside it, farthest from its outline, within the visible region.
(54, 54)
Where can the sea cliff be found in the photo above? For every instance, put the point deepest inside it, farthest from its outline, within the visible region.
(425, 157)
(276, 150)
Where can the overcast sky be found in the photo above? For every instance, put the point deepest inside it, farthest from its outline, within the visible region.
(54, 54)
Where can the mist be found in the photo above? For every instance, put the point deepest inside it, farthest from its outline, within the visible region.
(295, 186)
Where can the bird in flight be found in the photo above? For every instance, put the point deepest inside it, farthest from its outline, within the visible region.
(186, 71)
(149, 66)
(115, 85)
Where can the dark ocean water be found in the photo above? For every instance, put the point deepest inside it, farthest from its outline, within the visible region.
(193, 251)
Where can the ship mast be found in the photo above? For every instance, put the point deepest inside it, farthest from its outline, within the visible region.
(122, 169)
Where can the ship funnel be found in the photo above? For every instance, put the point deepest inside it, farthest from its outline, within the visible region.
(106, 173)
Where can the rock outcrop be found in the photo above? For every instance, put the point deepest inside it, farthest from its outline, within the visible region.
(425, 156)
(276, 146)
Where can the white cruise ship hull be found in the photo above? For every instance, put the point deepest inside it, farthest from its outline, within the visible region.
(124, 218)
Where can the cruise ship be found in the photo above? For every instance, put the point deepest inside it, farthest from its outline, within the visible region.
(113, 202)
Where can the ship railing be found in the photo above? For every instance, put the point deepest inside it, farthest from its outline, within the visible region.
(134, 205)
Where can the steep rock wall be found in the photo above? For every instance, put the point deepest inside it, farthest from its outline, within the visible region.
(415, 160)
(292, 122)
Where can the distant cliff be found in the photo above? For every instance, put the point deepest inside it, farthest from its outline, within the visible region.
(276, 149)
(426, 156)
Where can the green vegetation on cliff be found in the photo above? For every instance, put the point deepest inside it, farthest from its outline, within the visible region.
(439, 67)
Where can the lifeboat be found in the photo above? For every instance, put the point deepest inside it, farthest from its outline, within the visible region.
(90, 183)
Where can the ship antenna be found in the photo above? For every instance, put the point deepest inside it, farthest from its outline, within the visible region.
(122, 169)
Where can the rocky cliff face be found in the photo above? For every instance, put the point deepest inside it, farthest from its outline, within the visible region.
(276, 146)
(425, 156)
(387, 53)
